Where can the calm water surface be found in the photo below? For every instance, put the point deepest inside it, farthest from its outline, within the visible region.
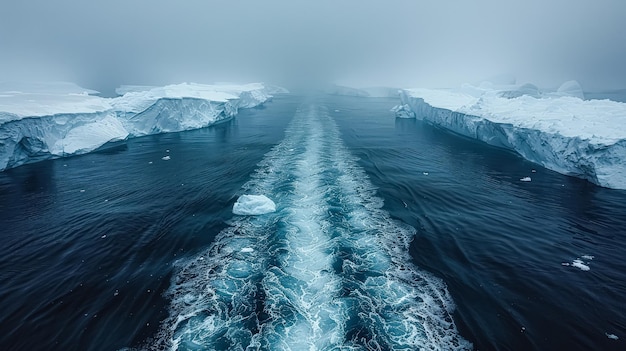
(99, 250)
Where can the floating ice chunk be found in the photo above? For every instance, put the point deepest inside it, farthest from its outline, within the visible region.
(250, 205)
(247, 250)
(578, 263)
(165, 158)
(525, 179)
(611, 336)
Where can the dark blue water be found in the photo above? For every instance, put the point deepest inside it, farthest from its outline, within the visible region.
(107, 250)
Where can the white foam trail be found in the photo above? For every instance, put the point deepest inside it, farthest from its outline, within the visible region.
(329, 270)
(302, 292)
(405, 308)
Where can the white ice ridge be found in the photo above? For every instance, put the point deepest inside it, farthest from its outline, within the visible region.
(251, 205)
(49, 120)
(559, 130)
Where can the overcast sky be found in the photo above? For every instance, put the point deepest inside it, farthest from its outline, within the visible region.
(408, 43)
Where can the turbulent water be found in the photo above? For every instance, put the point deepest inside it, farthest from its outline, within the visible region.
(388, 235)
(329, 270)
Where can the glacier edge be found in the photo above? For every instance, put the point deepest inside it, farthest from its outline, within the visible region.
(602, 162)
(27, 138)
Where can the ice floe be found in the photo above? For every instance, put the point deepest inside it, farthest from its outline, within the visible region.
(250, 205)
(579, 263)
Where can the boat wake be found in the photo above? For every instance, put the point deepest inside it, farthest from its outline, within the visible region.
(328, 270)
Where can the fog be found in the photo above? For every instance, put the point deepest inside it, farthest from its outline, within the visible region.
(363, 43)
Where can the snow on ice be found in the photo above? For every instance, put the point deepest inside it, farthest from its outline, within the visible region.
(559, 130)
(49, 120)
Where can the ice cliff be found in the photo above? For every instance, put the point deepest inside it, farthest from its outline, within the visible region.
(559, 130)
(50, 120)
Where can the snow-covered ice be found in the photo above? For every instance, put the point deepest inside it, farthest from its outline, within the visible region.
(24, 100)
(559, 130)
(250, 205)
(48, 120)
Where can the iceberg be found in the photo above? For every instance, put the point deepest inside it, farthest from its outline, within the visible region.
(561, 131)
(50, 120)
(253, 205)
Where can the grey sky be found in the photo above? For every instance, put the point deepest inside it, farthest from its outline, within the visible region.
(400, 43)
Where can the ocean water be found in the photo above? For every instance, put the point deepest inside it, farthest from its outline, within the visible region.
(389, 234)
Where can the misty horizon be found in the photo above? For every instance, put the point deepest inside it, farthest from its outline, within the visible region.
(366, 43)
